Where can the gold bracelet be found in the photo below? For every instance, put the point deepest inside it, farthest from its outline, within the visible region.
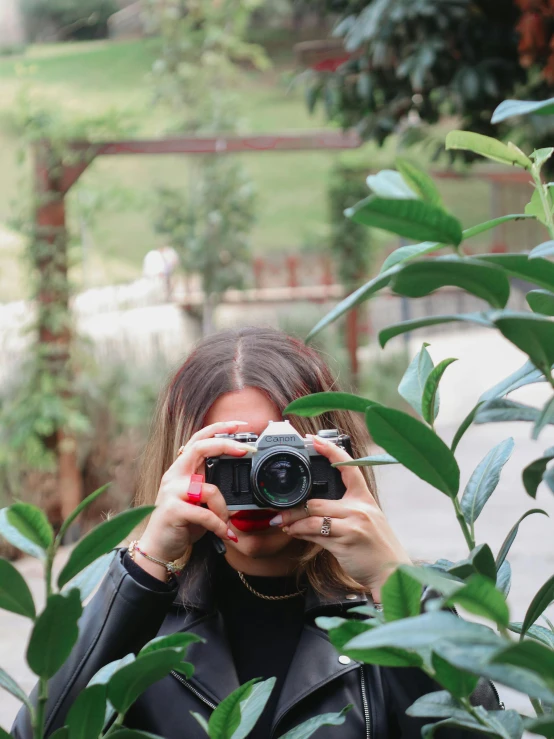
(171, 567)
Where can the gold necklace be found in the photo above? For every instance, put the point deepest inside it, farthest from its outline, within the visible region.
(268, 597)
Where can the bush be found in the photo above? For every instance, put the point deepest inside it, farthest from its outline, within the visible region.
(67, 19)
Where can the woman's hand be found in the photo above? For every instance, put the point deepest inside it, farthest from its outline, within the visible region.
(178, 521)
(361, 538)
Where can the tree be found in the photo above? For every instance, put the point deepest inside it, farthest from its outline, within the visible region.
(413, 62)
(203, 48)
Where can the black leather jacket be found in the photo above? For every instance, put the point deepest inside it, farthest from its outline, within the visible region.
(124, 615)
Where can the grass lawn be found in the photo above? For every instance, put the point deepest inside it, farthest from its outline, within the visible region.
(93, 78)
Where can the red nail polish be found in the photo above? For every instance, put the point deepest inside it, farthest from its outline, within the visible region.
(232, 536)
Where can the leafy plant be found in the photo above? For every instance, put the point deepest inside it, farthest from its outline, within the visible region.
(452, 651)
(99, 710)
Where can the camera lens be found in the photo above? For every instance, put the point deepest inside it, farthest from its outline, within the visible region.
(282, 480)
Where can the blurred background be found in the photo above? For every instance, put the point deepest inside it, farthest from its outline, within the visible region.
(200, 156)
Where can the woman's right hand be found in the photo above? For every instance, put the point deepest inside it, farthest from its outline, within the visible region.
(175, 524)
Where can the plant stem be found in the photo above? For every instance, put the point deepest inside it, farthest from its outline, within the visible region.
(543, 193)
(463, 525)
(116, 724)
(537, 706)
(38, 722)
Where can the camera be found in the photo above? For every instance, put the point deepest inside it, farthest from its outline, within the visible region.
(285, 469)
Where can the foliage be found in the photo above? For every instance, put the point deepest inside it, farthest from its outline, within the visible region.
(452, 651)
(412, 63)
(350, 242)
(203, 47)
(101, 707)
(68, 19)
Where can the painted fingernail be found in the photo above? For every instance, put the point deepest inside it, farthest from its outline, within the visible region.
(232, 536)
(276, 520)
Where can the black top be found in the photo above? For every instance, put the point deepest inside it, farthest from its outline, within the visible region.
(262, 634)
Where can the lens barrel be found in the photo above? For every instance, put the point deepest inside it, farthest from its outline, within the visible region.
(282, 479)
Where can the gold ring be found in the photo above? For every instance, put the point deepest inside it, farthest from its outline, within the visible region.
(307, 509)
(181, 450)
(326, 526)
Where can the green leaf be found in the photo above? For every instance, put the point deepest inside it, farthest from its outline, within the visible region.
(526, 375)
(484, 480)
(80, 508)
(548, 478)
(426, 630)
(135, 734)
(438, 703)
(54, 634)
(100, 540)
(390, 184)
(179, 640)
(252, 706)
(500, 410)
(202, 721)
(463, 427)
(415, 446)
(487, 147)
(225, 720)
(535, 207)
(417, 279)
(309, 727)
(85, 719)
(510, 108)
(541, 301)
(372, 461)
(14, 537)
(504, 578)
(428, 402)
(412, 219)
(545, 636)
(457, 682)
(15, 595)
(130, 681)
(87, 580)
(480, 318)
(480, 561)
(546, 417)
(493, 223)
(531, 655)
(4, 734)
(413, 382)
(103, 676)
(8, 684)
(539, 271)
(419, 181)
(543, 725)
(540, 156)
(476, 658)
(358, 296)
(508, 541)
(479, 596)
(318, 403)
(534, 335)
(400, 596)
(546, 249)
(543, 598)
(533, 474)
(31, 523)
(441, 581)
(410, 251)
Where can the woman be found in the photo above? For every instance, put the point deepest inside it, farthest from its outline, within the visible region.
(255, 606)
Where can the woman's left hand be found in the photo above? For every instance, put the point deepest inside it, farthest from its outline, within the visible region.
(360, 536)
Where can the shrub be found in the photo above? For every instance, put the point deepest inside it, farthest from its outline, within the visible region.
(68, 19)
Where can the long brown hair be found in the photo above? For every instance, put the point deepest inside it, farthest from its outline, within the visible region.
(281, 367)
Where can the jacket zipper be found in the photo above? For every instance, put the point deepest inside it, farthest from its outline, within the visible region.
(502, 706)
(182, 680)
(365, 704)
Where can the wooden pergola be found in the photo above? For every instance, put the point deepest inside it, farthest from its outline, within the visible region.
(54, 182)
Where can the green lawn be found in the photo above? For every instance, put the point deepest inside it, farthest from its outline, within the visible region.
(94, 78)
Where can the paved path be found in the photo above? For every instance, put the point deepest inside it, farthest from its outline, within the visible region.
(422, 517)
